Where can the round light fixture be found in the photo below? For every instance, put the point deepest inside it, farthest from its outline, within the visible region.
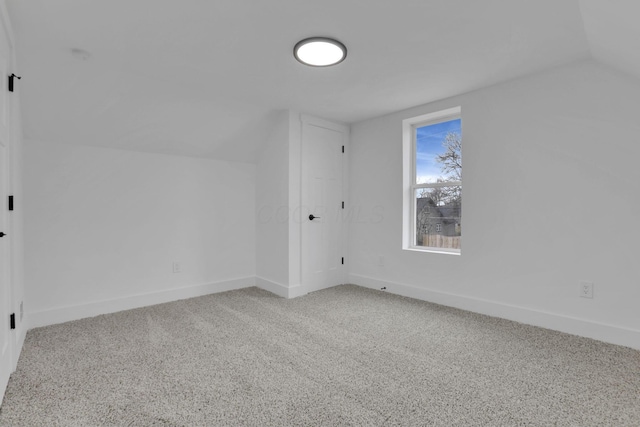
(320, 52)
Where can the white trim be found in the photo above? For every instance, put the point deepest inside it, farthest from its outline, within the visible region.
(613, 334)
(435, 117)
(346, 159)
(273, 287)
(279, 289)
(65, 314)
(407, 174)
(436, 184)
(316, 121)
(21, 334)
(295, 199)
(433, 250)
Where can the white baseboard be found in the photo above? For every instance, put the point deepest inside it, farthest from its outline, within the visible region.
(279, 289)
(273, 287)
(96, 308)
(586, 328)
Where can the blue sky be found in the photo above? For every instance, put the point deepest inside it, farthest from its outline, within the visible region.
(429, 145)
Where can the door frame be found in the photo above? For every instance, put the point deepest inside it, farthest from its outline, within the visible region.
(6, 288)
(11, 170)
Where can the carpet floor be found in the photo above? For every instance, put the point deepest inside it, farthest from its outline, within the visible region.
(341, 356)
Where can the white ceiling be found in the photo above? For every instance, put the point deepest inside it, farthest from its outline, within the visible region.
(613, 32)
(206, 77)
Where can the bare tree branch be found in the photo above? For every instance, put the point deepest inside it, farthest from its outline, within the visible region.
(451, 159)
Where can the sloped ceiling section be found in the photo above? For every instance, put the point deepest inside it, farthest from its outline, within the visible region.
(613, 32)
(205, 78)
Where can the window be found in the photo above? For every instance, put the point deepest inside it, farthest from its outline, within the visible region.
(432, 160)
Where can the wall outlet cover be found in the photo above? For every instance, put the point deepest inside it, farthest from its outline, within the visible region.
(177, 268)
(586, 289)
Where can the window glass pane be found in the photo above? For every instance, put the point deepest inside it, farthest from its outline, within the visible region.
(438, 152)
(438, 217)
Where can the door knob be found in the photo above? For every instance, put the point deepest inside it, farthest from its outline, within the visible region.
(2, 234)
(311, 217)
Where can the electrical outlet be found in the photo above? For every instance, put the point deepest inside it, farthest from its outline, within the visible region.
(586, 289)
(177, 268)
(381, 261)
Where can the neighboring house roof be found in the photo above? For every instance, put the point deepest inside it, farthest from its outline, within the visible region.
(447, 213)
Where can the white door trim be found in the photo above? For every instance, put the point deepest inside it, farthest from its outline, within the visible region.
(316, 121)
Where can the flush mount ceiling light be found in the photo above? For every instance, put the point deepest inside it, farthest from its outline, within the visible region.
(320, 52)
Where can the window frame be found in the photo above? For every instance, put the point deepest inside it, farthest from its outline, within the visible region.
(409, 148)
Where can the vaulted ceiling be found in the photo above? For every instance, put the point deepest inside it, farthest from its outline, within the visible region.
(206, 77)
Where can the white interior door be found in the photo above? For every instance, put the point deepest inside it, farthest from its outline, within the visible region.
(5, 289)
(322, 197)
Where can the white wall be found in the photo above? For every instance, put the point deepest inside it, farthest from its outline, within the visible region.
(103, 228)
(272, 206)
(550, 198)
(278, 224)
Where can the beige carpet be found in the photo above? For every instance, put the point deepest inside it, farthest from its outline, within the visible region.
(342, 356)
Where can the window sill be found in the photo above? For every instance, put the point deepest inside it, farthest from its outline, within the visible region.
(432, 250)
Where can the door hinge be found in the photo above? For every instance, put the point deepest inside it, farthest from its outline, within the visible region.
(12, 320)
(342, 260)
(11, 77)
(343, 148)
(10, 203)
(342, 205)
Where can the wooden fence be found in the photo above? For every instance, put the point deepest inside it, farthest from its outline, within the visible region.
(438, 241)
